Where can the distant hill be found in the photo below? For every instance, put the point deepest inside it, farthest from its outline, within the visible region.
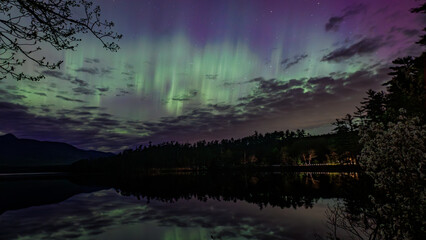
(15, 152)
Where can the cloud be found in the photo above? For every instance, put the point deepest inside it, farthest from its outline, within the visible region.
(12, 106)
(227, 84)
(92, 60)
(83, 91)
(66, 77)
(69, 99)
(211, 76)
(122, 92)
(95, 70)
(10, 87)
(106, 70)
(92, 71)
(80, 82)
(333, 23)
(406, 31)
(105, 89)
(411, 32)
(362, 47)
(5, 95)
(89, 108)
(296, 59)
(56, 74)
(186, 97)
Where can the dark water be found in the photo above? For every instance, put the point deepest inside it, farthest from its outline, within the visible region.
(221, 206)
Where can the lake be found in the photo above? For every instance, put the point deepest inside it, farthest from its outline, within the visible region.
(187, 206)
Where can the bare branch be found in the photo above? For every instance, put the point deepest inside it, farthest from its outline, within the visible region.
(26, 24)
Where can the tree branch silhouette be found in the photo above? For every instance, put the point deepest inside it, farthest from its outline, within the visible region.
(25, 25)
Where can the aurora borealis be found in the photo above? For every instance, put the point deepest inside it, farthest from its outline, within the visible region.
(193, 69)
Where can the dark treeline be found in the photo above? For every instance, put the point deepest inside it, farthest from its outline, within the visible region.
(270, 149)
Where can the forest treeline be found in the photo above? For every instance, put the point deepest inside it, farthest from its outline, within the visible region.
(270, 149)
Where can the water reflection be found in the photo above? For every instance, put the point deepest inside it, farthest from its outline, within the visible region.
(251, 206)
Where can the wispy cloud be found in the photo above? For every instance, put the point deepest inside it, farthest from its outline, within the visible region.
(362, 47)
(333, 23)
(289, 62)
(69, 99)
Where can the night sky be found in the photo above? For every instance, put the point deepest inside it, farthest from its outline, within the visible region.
(192, 69)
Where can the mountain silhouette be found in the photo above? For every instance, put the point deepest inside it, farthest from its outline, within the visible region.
(17, 152)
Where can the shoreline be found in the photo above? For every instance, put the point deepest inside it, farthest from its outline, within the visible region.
(67, 170)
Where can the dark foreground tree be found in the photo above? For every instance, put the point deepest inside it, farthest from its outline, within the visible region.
(421, 9)
(394, 157)
(393, 133)
(28, 25)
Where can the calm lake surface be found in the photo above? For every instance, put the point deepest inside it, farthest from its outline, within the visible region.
(221, 206)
